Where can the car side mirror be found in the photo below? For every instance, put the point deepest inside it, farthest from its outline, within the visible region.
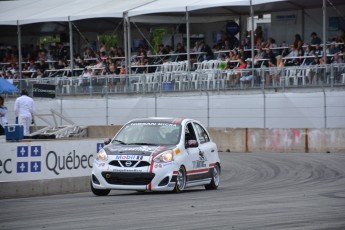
(107, 141)
(192, 144)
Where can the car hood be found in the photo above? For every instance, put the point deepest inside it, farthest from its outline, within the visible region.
(142, 150)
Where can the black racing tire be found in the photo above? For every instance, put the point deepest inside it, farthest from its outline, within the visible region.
(100, 192)
(180, 180)
(215, 179)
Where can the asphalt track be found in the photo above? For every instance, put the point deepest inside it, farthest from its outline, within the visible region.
(257, 191)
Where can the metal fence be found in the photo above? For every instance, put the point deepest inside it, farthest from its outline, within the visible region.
(204, 78)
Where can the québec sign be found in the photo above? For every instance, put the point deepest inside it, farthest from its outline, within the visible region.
(22, 161)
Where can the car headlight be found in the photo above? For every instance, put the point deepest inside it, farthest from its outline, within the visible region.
(166, 156)
(102, 155)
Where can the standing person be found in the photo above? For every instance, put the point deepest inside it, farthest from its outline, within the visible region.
(3, 116)
(24, 106)
(315, 39)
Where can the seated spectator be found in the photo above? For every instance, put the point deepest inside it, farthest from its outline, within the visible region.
(244, 54)
(277, 74)
(309, 52)
(312, 72)
(123, 69)
(180, 49)
(290, 57)
(271, 72)
(318, 50)
(39, 74)
(332, 49)
(271, 44)
(298, 42)
(315, 39)
(259, 55)
(9, 74)
(208, 52)
(61, 64)
(87, 72)
(247, 76)
(269, 55)
(42, 65)
(337, 59)
(81, 63)
(196, 47)
(234, 78)
(300, 50)
(62, 51)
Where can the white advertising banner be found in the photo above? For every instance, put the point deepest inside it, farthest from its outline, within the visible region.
(48, 159)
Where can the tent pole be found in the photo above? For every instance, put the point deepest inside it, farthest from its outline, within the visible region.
(71, 46)
(128, 43)
(252, 35)
(324, 30)
(125, 40)
(188, 41)
(19, 54)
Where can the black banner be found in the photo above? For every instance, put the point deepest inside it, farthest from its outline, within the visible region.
(43, 90)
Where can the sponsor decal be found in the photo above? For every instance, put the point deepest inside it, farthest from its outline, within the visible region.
(128, 157)
(43, 90)
(161, 165)
(201, 163)
(139, 149)
(127, 170)
(153, 124)
(101, 164)
(158, 165)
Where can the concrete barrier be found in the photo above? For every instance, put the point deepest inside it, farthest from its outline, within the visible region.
(44, 187)
(279, 140)
(103, 131)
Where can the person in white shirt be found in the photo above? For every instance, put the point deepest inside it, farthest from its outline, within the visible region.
(3, 116)
(24, 106)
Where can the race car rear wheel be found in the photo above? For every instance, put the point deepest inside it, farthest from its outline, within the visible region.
(215, 179)
(180, 180)
(99, 192)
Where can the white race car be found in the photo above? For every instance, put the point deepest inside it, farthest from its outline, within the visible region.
(157, 154)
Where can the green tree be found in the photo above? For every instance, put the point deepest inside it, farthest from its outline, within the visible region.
(108, 40)
(156, 37)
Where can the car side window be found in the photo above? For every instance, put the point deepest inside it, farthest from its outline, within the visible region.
(189, 133)
(202, 134)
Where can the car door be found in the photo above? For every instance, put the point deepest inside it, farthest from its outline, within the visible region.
(197, 165)
(206, 147)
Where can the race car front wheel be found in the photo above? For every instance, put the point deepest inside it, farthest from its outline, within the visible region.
(99, 192)
(180, 180)
(215, 179)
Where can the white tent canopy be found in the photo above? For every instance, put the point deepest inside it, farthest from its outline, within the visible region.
(165, 6)
(21, 12)
(32, 11)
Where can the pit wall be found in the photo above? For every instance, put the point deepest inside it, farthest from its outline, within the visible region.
(46, 167)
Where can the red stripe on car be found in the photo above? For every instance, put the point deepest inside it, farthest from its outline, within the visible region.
(154, 154)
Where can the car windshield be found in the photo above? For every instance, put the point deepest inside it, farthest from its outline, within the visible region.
(149, 133)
